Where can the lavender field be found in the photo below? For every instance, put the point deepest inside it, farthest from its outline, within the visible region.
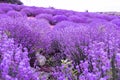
(39, 43)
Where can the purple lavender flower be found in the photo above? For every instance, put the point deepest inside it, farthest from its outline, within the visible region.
(27, 11)
(45, 16)
(42, 10)
(33, 31)
(17, 7)
(59, 12)
(5, 7)
(116, 21)
(1, 11)
(15, 14)
(105, 16)
(14, 61)
(59, 18)
(78, 19)
(64, 24)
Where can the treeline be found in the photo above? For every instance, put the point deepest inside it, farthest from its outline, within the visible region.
(12, 1)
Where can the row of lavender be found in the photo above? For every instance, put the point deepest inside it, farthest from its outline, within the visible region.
(81, 46)
(55, 15)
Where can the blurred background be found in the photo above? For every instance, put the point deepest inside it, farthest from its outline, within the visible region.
(77, 5)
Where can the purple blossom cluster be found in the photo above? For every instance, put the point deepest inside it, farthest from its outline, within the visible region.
(92, 49)
(14, 61)
(39, 43)
(30, 33)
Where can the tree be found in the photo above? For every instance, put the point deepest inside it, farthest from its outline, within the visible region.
(12, 1)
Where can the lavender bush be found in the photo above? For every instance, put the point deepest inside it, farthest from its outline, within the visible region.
(14, 61)
(17, 7)
(15, 14)
(5, 7)
(48, 17)
(64, 24)
(27, 11)
(77, 19)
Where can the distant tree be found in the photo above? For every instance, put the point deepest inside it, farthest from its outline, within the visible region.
(86, 10)
(12, 1)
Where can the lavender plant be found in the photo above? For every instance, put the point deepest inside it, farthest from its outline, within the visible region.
(45, 16)
(27, 32)
(59, 18)
(15, 14)
(27, 11)
(64, 24)
(5, 7)
(17, 7)
(116, 21)
(77, 19)
(14, 61)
